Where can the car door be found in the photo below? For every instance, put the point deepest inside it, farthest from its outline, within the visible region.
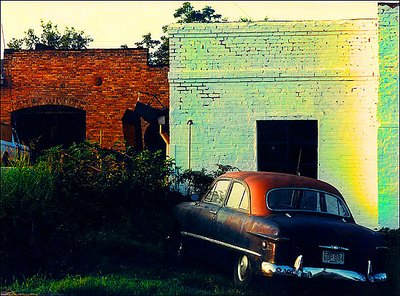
(202, 226)
(232, 216)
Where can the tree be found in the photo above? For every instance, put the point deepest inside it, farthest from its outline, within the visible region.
(245, 20)
(147, 42)
(15, 44)
(69, 39)
(161, 55)
(159, 49)
(187, 14)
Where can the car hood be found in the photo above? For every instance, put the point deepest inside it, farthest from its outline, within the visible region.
(323, 230)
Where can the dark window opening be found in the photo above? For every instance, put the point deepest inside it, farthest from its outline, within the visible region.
(288, 146)
(131, 127)
(47, 126)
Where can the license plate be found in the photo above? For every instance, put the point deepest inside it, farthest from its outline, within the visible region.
(332, 257)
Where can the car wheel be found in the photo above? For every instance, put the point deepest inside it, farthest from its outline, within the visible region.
(242, 271)
(176, 249)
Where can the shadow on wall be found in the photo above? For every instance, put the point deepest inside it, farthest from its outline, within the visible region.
(143, 126)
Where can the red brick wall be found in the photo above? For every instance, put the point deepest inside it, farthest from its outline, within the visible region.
(68, 78)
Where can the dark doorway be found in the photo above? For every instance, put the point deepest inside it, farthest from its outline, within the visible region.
(132, 129)
(152, 139)
(288, 146)
(46, 126)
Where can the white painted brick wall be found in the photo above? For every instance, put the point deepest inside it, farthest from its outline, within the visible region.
(227, 76)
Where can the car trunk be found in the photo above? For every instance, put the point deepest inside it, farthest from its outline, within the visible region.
(312, 234)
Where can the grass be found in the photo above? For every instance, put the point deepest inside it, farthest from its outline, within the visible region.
(131, 267)
(113, 284)
(163, 280)
(141, 269)
(140, 281)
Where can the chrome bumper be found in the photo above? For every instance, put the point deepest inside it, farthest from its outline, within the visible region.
(270, 269)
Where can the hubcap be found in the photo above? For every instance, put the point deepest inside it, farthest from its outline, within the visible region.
(180, 250)
(243, 265)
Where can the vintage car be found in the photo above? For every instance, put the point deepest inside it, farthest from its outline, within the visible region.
(11, 146)
(276, 224)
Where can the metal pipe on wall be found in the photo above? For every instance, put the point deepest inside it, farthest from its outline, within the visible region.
(189, 123)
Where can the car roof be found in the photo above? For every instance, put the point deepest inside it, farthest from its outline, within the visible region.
(261, 182)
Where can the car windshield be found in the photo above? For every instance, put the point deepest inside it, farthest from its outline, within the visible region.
(308, 200)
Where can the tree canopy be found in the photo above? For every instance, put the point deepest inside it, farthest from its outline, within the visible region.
(187, 14)
(159, 49)
(51, 36)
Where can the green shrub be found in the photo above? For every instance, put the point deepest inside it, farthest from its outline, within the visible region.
(48, 209)
(86, 168)
(73, 206)
(197, 182)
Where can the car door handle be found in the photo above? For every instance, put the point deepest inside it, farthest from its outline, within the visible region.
(213, 212)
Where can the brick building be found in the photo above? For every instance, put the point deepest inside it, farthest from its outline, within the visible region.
(64, 96)
(318, 97)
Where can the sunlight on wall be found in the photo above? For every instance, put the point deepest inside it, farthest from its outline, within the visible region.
(225, 77)
(388, 116)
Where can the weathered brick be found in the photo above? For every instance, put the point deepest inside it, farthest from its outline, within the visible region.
(66, 77)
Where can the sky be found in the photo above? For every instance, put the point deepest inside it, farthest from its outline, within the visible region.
(113, 23)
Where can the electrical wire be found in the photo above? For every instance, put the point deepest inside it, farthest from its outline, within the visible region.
(242, 10)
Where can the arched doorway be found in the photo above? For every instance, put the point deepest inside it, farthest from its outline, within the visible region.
(42, 127)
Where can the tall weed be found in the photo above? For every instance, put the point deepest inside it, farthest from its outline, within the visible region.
(26, 204)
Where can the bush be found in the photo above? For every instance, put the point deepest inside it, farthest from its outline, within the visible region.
(197, 182)
(72, 205)
(48, 209)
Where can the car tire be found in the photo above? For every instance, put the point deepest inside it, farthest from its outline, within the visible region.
(242, 271)
(176, 251)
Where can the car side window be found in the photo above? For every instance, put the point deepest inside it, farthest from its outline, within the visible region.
(303, 199)
(334, 206)
(239, 197)
(218, 192)
(310, 201)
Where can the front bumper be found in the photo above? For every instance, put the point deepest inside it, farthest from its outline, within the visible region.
(270, 269)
